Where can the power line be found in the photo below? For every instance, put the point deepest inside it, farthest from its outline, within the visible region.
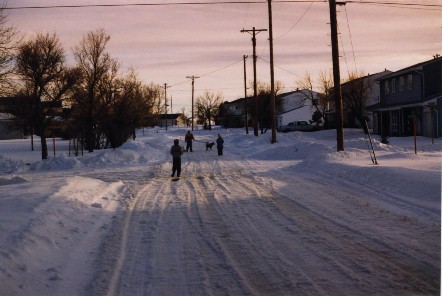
(208, 73)
(297, 22)
(351, 39)
(408, 5)
(412, 5)
(222, 68)
(156, 4)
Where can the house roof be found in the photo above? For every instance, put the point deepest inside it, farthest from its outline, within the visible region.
(376, 77)
(170, 116)
(416, 67)
(393, 106)
(277, 97)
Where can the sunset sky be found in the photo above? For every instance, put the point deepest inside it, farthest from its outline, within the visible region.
(166, 43)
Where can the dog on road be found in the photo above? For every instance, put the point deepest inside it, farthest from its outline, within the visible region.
(209, 145)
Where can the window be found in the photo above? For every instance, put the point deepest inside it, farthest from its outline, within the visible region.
(410, 81)
(393, 85)
(401, 83)
(387, 87)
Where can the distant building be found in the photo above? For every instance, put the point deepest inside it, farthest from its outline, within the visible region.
(10, 127)
(291, 106)
(296, 106)
(175, 119)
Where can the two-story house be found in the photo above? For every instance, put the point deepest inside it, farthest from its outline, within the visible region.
(291, 106)
(296, 106)
(410, 101)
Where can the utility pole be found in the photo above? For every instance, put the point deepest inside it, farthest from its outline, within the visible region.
(255, 117)
(165, 101)
(336, 76)
(272, 76)
(193, 77)
(245, 94)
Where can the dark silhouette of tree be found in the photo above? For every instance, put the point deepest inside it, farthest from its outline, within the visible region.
(40, 63)
(264, 97)
(320, 102)
(8, 43)
(98, 70)
(207, 108)
(355, 93)
(131, 103)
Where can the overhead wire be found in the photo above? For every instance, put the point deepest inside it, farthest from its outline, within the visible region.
(297, 22)
(209, 73)
(412, 5)
(351, 39)
(156, 4)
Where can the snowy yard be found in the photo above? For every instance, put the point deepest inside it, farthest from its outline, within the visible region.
(290, 218)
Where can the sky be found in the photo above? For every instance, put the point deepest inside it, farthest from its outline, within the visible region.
(166, 44)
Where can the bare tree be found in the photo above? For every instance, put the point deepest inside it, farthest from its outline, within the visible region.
(40, 65)
(207, 107)
(264, 97)
(131, 104)
(355, 93)
(96, 66)
(320, 102)
(8, 43)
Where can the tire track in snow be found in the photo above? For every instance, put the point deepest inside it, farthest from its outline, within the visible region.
(222, 230)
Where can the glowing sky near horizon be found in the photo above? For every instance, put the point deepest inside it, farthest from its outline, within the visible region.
(165, 44)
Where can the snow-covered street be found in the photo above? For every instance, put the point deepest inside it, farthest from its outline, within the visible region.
(291, 218)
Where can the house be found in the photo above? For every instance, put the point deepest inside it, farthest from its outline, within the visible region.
(358, 96)
(410, 101)
(233, 115)
(16, 115)
(175, 119)
(291, 106)
(10, 127)
(368, 90)
(296, 106)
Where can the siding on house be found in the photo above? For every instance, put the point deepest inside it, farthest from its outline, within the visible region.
(295, 107)
(391, 92)
(411, 101)
(10, 128)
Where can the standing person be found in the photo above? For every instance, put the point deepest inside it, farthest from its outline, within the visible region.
(176, 152)
(189, 138)
(220, 145)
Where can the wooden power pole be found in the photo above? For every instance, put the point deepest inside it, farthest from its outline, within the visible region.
(165, 101)
(193, 77)
(255, 115)
(245, 95)
(272, 76)
(336, 77)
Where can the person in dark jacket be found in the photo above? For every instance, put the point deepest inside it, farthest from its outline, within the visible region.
(176, 150)
(220, 145)
(189, 138)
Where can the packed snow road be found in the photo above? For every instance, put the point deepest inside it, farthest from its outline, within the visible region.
(291, 218)
(229, 228)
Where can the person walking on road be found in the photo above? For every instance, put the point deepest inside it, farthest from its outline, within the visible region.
(176, 150)
(189, 138)
(220, 145)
